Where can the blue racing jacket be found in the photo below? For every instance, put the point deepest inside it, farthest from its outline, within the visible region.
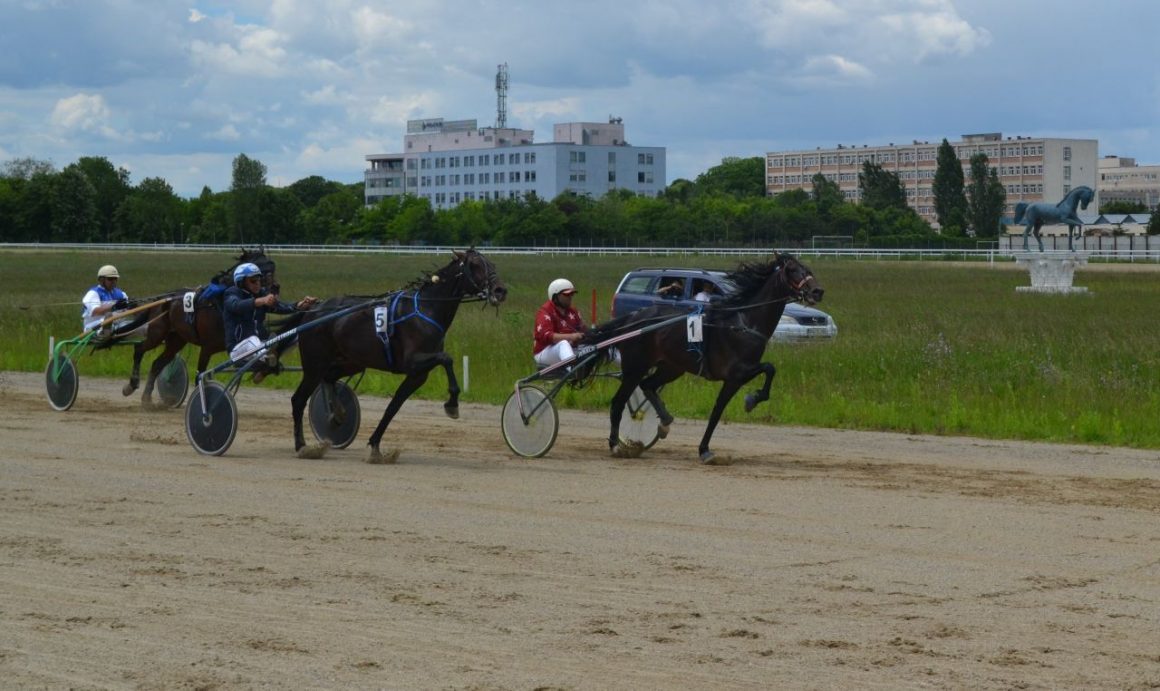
(243, 320)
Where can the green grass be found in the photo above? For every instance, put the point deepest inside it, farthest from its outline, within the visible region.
(923, 347)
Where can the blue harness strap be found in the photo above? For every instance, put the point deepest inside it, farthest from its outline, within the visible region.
(392, 322)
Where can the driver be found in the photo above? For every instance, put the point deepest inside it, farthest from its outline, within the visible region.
(103, 298)
(558, 325)
(244, 311)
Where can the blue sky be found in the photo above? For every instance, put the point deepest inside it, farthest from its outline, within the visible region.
(178, 89)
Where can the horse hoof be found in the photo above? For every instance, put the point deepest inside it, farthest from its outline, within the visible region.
(128, 389)
(751, 402)
(662, 431)
(452, 411)
(313, 452)
(628, 449)
(378, 458)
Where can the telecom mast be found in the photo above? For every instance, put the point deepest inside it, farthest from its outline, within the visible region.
(501, 87)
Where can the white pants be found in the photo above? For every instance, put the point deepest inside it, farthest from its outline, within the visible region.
(557, 352)
(248, 348)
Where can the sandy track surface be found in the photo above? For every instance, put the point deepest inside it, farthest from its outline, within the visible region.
(818, 559)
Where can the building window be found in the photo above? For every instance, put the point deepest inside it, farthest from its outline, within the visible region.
(612, 176)
(611, 158)
(577, 157)
(513, 159)
(644, 159)
(644, 177)
(1067, 153)
(484, 159)
(1067, 172)
(529, 157)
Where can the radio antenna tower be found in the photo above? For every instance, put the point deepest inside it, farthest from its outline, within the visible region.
(501, 87)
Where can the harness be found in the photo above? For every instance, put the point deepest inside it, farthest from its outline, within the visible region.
(388, 329)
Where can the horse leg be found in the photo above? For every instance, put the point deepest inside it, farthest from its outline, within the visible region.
(751, 400)
(173, 345)
(135, 377)
(414, 379)
(616, 412)
(650, 387)
(1038, 234)
(310, 379)
(451, 407)
(728, 389)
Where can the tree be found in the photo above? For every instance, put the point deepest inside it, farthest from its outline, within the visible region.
(26, 168)
(1123, 206)
(249, 178)
(111, 186)
(151, 213)
(950, 201)
(986, 198)
(739, 177)
(825, 193)
(881, 189)
(1154, 222)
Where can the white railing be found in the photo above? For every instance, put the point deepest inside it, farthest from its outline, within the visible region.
(1108, 252)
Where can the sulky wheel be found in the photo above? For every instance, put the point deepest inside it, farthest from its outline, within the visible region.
(335, 425)
(211, 428)
(61, 382)
(640, 421)
(173, 383)
(533, 432)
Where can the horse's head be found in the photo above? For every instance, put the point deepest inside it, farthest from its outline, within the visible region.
(478, 277)
(265, 264)
(800, 280)
(1086, 194)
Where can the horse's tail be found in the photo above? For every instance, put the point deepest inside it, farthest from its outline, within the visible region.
(1020, 209)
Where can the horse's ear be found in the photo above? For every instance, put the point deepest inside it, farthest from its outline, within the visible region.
(458, 255)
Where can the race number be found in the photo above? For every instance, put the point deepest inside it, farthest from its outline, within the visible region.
(382, 314)
(693, 328)
(187, 302)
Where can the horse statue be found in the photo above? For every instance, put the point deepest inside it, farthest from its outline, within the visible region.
(200, 322)
(403, 335)
(1035, 216)
(734, 332)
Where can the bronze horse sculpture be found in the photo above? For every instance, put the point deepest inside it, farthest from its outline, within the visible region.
(199, 323)
(404, 334)
(733, 335)
(1035, 216)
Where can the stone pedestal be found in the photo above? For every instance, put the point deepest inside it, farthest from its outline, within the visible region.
(1051, 272)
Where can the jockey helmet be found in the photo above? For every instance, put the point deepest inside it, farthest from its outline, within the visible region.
(107, 271)
(560, 285)
(244, 271)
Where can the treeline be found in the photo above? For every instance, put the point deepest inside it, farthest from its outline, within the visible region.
(93, 201)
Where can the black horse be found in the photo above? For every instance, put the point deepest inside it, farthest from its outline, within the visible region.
(734, 333)
(413, 323)
(175, 324)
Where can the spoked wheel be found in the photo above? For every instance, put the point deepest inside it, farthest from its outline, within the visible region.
(173, 383)
(640, 421)
(61, 382)
(337, 430)
(534, 436)
(211, 428)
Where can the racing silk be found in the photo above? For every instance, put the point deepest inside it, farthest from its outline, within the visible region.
(549, 321)
(243, 320)
(94, 298)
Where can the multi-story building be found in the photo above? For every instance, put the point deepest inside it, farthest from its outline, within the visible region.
(1031, 169)
(1122, 180)
(452, 161)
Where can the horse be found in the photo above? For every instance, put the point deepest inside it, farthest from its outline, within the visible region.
(734, 332)
(414, 321)
(173, 325)
(1034, 216)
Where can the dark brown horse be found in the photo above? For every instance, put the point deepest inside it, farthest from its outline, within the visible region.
(414, 321)
(198, 322)
(734, 332)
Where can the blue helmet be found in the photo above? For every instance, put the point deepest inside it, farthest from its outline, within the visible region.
(243, 271)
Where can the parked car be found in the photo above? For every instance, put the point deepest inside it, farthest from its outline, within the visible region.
(648, 286)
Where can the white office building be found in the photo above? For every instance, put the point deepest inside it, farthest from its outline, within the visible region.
(1031, 169)
(452, 161)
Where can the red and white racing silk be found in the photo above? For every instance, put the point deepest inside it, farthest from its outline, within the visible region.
(550, 321)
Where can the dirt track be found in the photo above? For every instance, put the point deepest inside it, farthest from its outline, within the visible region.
(819, 559)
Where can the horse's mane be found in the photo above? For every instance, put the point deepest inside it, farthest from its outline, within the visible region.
(750, 277)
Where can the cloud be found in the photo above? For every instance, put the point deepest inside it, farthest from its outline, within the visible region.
(227, 133)
(833, 70)
(85, 112)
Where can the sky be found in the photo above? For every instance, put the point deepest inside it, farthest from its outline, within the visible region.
(177, 89)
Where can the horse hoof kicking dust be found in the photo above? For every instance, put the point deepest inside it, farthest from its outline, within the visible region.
(378, 458)
(628, 449)
(314, 452)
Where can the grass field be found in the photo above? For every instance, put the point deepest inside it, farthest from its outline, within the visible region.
(924, 347)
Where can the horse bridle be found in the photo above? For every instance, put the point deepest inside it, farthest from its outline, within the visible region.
(479, 292)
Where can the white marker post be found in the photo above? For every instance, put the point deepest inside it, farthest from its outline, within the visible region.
(466, 373)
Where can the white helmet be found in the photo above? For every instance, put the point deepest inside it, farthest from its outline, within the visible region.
(107, 271)
(560, 285)
(243, 271)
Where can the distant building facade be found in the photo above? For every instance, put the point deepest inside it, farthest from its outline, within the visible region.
(449, 162)
(1030, 169)
(1122, 180)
